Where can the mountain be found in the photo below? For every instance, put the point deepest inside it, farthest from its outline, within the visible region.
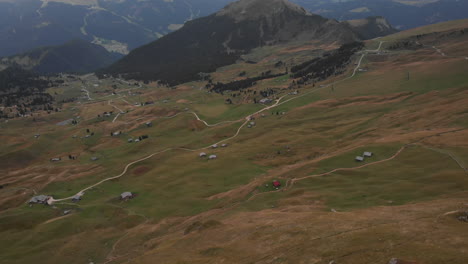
(371, 27)
(78, 56)
(117, 25)
(403, 14)
(207, 43)
(123, 25)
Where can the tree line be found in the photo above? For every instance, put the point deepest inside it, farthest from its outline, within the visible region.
(240, 84)
(329, 64)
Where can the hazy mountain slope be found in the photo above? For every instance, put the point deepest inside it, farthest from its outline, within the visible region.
(24, 25)
(371, 27)
(77, 56)
(122, 25)
(401, 14)
(207, 43)
(117, 25)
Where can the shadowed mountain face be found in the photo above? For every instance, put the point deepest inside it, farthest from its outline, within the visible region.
(123, 25)
(403, 14)
(77, 56)
(117, 25)
(205, 44)
(371, 27)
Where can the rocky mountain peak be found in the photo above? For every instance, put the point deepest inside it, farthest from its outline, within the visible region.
(254, 9)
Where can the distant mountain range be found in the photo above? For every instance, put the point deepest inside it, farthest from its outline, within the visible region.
(403, 14)
(207, 43)
(76, 56)
(123, 25)
(117, 25)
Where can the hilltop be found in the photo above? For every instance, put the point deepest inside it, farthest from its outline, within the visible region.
(255, 9)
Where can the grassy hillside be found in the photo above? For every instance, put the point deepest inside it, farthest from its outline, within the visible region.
(405, 104)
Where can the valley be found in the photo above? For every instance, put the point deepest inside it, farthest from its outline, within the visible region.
(401, 97)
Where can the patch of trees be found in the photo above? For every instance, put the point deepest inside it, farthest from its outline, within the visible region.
(267, 92)
(323, 67)
(15, 79)
(143, 137)
(405, 45)
(450, 34)
(433, 38)
(26, 90)
(241, 84)
(279, 64)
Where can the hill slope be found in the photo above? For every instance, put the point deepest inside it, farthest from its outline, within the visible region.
(117, 25)
(371, 27)
(205, 44)
(404, 100)
(76, 56)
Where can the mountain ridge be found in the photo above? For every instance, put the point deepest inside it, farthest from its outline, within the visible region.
(254, 9)
(207, 43)
(77, 56)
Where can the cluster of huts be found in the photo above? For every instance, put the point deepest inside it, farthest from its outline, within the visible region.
(136, 140)
(212, 157)
(365, 155)
(46, 199)
(204, 155)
